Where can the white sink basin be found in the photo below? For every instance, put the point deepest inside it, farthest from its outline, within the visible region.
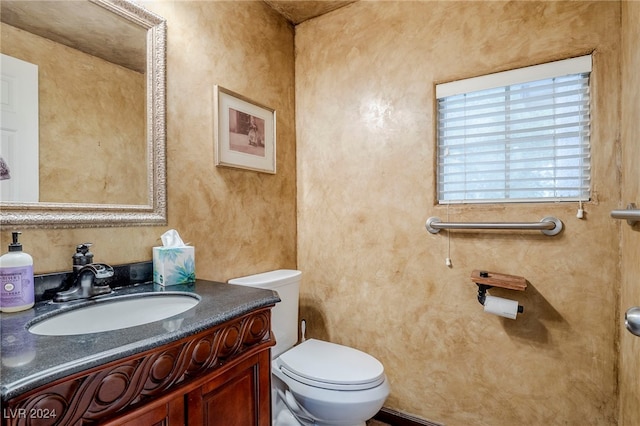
(116, 313)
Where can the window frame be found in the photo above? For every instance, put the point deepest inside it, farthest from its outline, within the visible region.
(546, 71)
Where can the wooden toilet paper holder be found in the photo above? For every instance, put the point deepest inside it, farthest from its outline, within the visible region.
(486, 280)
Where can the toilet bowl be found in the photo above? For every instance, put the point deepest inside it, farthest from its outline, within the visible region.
(316, 382)
(331, 384)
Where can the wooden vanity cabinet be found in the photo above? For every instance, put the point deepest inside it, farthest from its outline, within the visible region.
(234, 399)
(237, 397)
(220, 376)
(162, 413)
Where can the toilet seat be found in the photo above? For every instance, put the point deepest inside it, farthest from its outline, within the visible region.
(331, 366)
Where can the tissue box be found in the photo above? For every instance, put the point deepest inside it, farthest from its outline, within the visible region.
(174, 265)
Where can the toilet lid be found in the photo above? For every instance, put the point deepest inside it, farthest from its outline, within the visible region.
(331, 366)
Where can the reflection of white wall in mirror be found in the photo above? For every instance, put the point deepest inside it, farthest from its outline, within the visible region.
(19, 127)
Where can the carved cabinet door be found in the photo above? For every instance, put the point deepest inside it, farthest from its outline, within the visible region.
(161, 413)
(240, 397)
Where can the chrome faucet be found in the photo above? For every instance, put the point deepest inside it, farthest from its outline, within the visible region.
(89, 281)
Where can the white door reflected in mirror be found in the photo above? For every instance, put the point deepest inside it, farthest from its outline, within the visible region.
(19, 177)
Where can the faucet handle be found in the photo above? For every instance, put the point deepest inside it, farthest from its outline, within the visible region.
(82, 256)
(101, 270)
(83, 248)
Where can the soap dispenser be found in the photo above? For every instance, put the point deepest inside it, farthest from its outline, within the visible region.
(16, 278)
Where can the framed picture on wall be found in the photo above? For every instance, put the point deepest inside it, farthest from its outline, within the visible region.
(244, 132)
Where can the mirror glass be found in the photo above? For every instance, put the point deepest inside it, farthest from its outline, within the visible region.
(83, 114)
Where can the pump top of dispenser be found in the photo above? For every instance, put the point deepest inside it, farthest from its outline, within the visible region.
(15, 245)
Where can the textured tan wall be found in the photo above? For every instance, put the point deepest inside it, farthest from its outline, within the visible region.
(239, 221)
(373, 277)
(376, 280)
(630, 242)
(90, 111)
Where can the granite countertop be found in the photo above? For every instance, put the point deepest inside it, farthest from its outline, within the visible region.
(30, 360)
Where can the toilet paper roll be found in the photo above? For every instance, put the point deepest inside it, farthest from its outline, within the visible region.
(502, 307)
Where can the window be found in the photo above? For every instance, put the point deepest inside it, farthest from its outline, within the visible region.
(520, 135)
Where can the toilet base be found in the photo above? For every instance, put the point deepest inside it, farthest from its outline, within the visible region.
(285, 418)
(282, 415)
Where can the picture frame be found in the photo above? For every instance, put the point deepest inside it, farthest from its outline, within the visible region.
(244, 132)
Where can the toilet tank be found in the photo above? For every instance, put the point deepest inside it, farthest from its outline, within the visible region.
(284, 316)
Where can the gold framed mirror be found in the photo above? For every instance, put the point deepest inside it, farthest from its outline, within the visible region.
(100, 157)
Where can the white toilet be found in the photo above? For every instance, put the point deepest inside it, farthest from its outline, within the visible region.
(315, 382)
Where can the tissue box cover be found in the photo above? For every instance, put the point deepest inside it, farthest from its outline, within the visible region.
(174, 265)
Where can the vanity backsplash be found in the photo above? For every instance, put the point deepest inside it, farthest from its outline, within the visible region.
(47, 285)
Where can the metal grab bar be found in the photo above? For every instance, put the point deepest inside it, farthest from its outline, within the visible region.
(631, 214)
(548, 225)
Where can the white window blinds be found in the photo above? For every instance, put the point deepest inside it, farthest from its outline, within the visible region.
(521, 135)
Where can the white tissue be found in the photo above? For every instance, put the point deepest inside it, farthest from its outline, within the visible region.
(172, 239)
(502, 307)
